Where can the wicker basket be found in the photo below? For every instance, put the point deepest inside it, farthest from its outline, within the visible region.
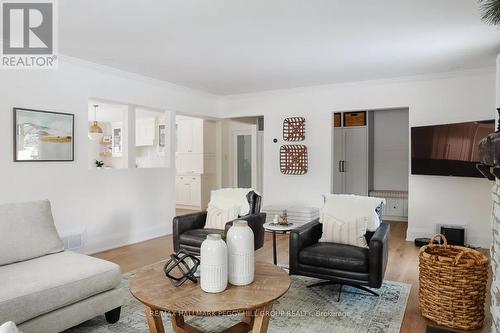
(452, 285)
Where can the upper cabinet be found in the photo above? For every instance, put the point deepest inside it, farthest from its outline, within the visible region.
(195, 145)
(145, 132)
(195, 136)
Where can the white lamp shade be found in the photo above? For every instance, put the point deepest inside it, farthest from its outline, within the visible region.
(95, 136)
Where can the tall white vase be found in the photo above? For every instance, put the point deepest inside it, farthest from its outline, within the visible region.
(213, 264)
(240, 245)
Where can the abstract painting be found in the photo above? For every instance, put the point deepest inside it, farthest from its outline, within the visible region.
(42, 136)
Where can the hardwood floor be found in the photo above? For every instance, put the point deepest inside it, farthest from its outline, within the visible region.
(402, 267)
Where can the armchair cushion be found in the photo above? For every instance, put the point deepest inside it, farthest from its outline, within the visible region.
(195, 237)
(336, 256)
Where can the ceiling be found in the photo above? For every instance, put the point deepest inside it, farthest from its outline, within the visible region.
(238, 46)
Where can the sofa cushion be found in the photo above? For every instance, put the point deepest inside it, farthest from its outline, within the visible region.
(38, 286)
(195, 237)
(27, 231)
(336, 256)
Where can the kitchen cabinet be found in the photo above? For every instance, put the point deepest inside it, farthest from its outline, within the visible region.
(195, 136)
(145, 130)
(193, 191)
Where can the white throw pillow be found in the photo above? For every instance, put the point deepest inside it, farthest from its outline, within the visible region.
(348, 207)
(218, 217)
(9, 327)
(344, 232)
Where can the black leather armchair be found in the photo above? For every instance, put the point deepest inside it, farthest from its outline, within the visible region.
(189, 230)
(338, 263)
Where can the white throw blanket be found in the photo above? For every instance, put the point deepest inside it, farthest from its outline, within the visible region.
(227, 198)
(9, 327)
(349, 207)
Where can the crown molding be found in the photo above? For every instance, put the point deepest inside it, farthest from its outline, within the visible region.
(131, 75)
(400, 79)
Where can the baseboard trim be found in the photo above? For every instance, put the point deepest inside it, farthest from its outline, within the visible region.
(413, 233)
(124, 239)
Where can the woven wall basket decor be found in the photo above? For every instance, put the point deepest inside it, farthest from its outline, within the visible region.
(293, 159)
(294, 129)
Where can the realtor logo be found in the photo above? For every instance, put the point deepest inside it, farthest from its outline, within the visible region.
(28, 34)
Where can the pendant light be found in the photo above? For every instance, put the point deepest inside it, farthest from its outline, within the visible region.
(95, 131)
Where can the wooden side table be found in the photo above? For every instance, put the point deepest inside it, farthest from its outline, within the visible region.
(275, 229)
(255, 301)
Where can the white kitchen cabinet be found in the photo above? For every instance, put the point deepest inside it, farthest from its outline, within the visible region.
(195, 136)
(193, 191)
(195, 161)
(145, 132)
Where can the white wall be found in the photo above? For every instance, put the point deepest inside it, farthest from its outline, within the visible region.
(390, 150)
(114, 207)
(452, 97)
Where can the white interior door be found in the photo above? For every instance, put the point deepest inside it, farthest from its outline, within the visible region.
(245, 158)
(356, 160)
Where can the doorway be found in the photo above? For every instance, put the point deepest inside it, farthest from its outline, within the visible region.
(244, 158)
(242, 152)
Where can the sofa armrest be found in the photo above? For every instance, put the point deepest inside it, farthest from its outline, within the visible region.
(305, 235)
(187, 222)
(378, 254)
(256, 223)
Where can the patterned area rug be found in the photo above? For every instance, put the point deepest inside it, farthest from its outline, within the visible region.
(300, 310)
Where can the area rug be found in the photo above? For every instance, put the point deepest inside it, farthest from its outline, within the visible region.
(302, 309)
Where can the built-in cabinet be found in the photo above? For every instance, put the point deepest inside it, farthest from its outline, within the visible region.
(353, 162)
(195, 162)
(145, 132)
(193, 191)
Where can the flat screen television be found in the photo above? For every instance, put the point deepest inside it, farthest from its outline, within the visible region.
(449, 149)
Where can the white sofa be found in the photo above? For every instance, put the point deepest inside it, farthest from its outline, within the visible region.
(45, 289)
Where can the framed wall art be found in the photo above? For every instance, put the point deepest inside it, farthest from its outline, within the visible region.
(294, 129)
(293, 159)
(43, 136)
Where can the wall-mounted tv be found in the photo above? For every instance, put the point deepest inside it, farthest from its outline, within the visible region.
(449, 149)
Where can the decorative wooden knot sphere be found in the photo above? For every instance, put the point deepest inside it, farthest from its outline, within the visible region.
(179, 261)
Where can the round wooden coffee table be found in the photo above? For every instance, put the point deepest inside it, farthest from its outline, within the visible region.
(255, 301)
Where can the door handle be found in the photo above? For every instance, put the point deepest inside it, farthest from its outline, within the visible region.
(340, 166)
(343, 166)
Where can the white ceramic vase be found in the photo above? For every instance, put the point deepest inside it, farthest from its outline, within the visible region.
(213, 265)
(240, 246)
